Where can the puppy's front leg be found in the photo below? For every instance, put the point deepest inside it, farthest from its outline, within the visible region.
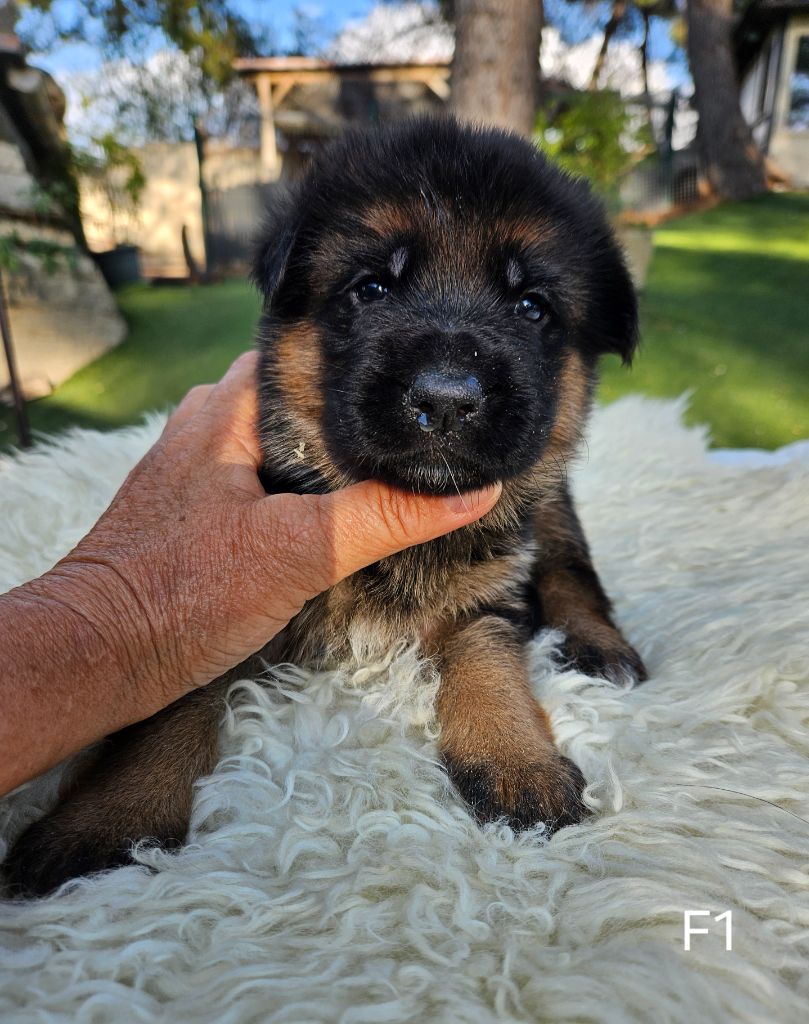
(570, 596)
(496, 740)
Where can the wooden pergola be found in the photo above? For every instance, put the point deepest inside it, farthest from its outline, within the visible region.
(274, 78)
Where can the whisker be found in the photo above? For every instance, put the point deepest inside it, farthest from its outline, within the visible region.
(452, 478)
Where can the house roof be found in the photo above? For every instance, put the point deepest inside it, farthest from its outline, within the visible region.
(317, 98)
(251, 65)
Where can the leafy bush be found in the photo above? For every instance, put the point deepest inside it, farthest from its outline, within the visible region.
(593, 135)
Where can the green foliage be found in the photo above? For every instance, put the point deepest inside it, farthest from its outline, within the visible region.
(593, 136)
(116, 169)
(50, 256)
(49, 199)
(209, 33)
(116, 160)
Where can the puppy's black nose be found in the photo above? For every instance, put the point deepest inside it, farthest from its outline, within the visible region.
(444, 401)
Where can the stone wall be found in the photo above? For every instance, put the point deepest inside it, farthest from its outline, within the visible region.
(61, 313)
(62, 317)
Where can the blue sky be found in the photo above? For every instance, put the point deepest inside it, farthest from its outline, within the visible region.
(576, 22)
(278, 18)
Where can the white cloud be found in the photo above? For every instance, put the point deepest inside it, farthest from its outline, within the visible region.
(391, 34)
(118, 96)
(158, 100)
(416, 32)
(622, 70)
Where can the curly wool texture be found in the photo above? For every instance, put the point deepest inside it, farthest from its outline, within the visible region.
(333, 874)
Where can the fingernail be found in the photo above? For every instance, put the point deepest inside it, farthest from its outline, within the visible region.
(473, 501)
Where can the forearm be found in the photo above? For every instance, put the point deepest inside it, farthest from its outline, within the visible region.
(71, 670)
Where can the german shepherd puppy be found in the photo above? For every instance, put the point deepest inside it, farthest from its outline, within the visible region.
(436, 298)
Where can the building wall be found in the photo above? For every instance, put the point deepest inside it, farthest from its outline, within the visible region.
(230, 167)
(760, 85)
(62, 317)
(789, 147)
(170, 200)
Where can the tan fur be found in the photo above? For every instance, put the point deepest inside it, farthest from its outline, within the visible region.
(156, 766)
(574, 391)
(526, 233)
(299, 373)
(544, 479)
(325, 629)
(388, 219)
(495, 738)
(571, 597)
(485, 705)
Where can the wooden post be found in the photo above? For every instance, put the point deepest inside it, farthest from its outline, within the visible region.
(23, 430)
(199, 146)
(269, 152)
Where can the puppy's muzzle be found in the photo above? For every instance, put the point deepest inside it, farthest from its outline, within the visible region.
(442, 402)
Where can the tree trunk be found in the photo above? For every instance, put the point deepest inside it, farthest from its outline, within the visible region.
(732, 162)
(495, 71)
(618, 12)
(644, 51)
(644, 70)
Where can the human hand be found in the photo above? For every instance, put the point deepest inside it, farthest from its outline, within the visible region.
(193, 567)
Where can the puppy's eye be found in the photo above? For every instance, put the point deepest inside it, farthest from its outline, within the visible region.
(370, 290)
(531, 307)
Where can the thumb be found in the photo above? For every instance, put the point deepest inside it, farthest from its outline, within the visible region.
(348, 529)
(371, 520)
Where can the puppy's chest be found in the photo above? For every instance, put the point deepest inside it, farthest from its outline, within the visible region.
(413, 596)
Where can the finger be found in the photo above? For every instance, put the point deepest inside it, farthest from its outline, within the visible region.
(238, 383)
(230, 413)
(371, 520)
(346, 530)
(188, 407)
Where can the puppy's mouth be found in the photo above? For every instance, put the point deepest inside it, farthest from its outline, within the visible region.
(433, 472)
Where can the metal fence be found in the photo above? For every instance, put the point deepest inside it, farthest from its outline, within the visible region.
(669, 177)
(662, 182)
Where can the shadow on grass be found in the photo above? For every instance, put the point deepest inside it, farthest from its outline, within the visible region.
(732, 329)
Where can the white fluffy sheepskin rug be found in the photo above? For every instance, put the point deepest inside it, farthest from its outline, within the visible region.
(334, 876)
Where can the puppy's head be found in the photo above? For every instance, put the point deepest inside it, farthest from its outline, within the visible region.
(435, 300)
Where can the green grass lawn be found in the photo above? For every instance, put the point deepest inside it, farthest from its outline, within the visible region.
(725, 315)
(178, 337)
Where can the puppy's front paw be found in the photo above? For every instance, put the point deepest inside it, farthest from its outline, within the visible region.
(66, 844)
(604, 654)
(546, 791)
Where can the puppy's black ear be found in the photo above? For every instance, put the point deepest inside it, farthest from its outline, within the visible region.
(273, 247)
(613, 321)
